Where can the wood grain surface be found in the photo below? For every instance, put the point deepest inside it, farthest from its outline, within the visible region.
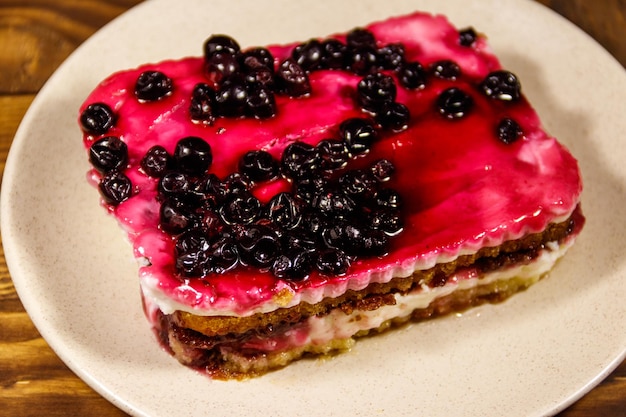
(35, 37)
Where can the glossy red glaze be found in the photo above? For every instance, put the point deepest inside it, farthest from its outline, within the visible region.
(462, 187)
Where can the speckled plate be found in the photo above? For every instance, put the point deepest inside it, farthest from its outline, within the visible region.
(532, 355)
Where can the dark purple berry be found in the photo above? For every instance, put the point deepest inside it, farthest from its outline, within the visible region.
(291, 79)
(293, 265)
(411, 75)
(334, 54)
(445, 69)
(362, 60)
(152, 86)
(454, 103)
(356, 240)
(224, 255)
(284, 211)
(97, 118)
(375, 91)
(358, 184)
(175, 186)
(335, 204)
(467, 36)
(258, 165)
(508, 130)
(192, 253)
(260, 75)
(192, 240)
(175, 218)
(115, 187)
(382, 170)
(220, 66)
(502, 85)
(241, 208)
(307, 187)
(258, 246)
(358, 134)
(349, 238)
(260, 102)
(332, 262)
(387, 221)
(202, 106)
(236, 183)
(212, 190)
(232, 97)
(333, 154)
(156, 161)
(388, 198)
(333, 235)
(313, 223)
(391, 56)
(220, 43)
(360, 38)
(193, 155)
(299, 159)
(298, 239)
(374, 243)
(393, 116)
(308, 55)
(255, 57)
(108, 154)
(211, 222)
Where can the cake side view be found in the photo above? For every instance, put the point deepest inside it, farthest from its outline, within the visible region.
(285, 200)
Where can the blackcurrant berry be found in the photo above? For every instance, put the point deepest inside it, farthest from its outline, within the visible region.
(359, 38)
(220, 43)
(334, 54)
(411, 75)
(258, 246)
(391, 56)
(445, 69)
(97, 118)
(358, 134)
(156, 161)
(258, 165)
(193, 155)
(152, 86)
(332, 262)
(393, 116)
(202, 106)
(467, 36)
(299, 159)
(291, 79)
(115, 187)
(376, 90)
(333, 154)
(454, 103)
(284, 211)
(241, 208)
(502, 85)
(232, 97)
(508, 130)
(108, 154)
(308, 55)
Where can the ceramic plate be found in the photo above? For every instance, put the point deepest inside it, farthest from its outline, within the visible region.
(532, 355)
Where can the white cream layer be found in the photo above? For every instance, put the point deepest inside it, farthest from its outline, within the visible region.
(339, 325)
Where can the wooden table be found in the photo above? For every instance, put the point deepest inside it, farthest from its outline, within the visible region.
(35, 37)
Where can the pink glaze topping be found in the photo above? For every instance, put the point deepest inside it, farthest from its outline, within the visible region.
(463, 188)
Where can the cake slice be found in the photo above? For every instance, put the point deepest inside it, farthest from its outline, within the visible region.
(286, 200)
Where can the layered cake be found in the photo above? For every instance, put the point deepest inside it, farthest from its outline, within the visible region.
(284, 201)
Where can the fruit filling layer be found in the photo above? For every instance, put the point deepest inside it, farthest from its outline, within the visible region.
(338, 329)
(250, 180)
